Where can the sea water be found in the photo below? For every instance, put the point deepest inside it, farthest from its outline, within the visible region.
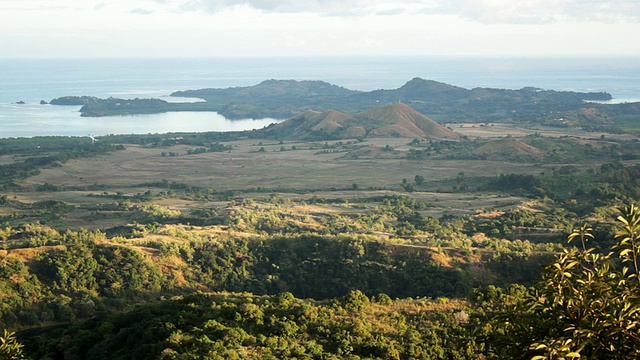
(31, 81)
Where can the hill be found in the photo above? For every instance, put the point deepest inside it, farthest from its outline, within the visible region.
(392, 120)
(286, 98)
(509, 149)
(269, 89)
(271, 98)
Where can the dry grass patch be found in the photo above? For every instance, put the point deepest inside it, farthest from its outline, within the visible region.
(490, 214)
(7, 159)
(498, 130)
(416, 306)
(442, 259)
(29, 254)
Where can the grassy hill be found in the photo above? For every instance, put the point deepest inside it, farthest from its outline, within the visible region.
(393, 120)
(507, 149)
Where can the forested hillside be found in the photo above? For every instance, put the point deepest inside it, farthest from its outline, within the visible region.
(585, 306)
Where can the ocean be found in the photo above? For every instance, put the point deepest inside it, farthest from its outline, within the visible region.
(33, 80)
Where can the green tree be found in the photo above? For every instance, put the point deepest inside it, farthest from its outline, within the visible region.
(584, 233)
(10, 348)
(628, 236)
(585, 307)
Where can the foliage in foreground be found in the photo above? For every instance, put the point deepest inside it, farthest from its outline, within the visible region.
(587, 305)
(10, 348)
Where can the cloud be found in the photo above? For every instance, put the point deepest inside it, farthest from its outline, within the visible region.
(540, 11)
(481, 11)
(322, 7)
(484, 11)
(139, 11)
(391, 12)
(30, 5)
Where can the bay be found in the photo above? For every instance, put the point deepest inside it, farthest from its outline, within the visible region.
(53, 120)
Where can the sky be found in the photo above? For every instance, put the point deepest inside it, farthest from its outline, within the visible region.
(241, 28)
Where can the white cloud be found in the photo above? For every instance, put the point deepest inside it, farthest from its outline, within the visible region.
(484, 11)
(542, 11)
(317, 27)
(322, 7)
(140, 11)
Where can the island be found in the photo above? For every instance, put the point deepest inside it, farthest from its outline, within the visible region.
(442, 102)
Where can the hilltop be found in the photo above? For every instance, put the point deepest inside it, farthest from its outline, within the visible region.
(392, 120)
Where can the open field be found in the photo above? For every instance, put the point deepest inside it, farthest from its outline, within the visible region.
(495, 130)
(99, 190)
(440, 203)
(84, 215)
(244, 168)
(295, 174)
(6, 159)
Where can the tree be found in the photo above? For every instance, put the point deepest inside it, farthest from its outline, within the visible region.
(583, 233)
(408, 187)
(628, 237)
(10, 348)
(585, 307)
(418, 179)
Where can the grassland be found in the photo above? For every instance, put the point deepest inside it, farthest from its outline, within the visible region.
(494, 130)
(349, 169)
(245, 167)
(86, 183)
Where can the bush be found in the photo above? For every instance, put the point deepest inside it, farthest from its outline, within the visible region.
(587, 305)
